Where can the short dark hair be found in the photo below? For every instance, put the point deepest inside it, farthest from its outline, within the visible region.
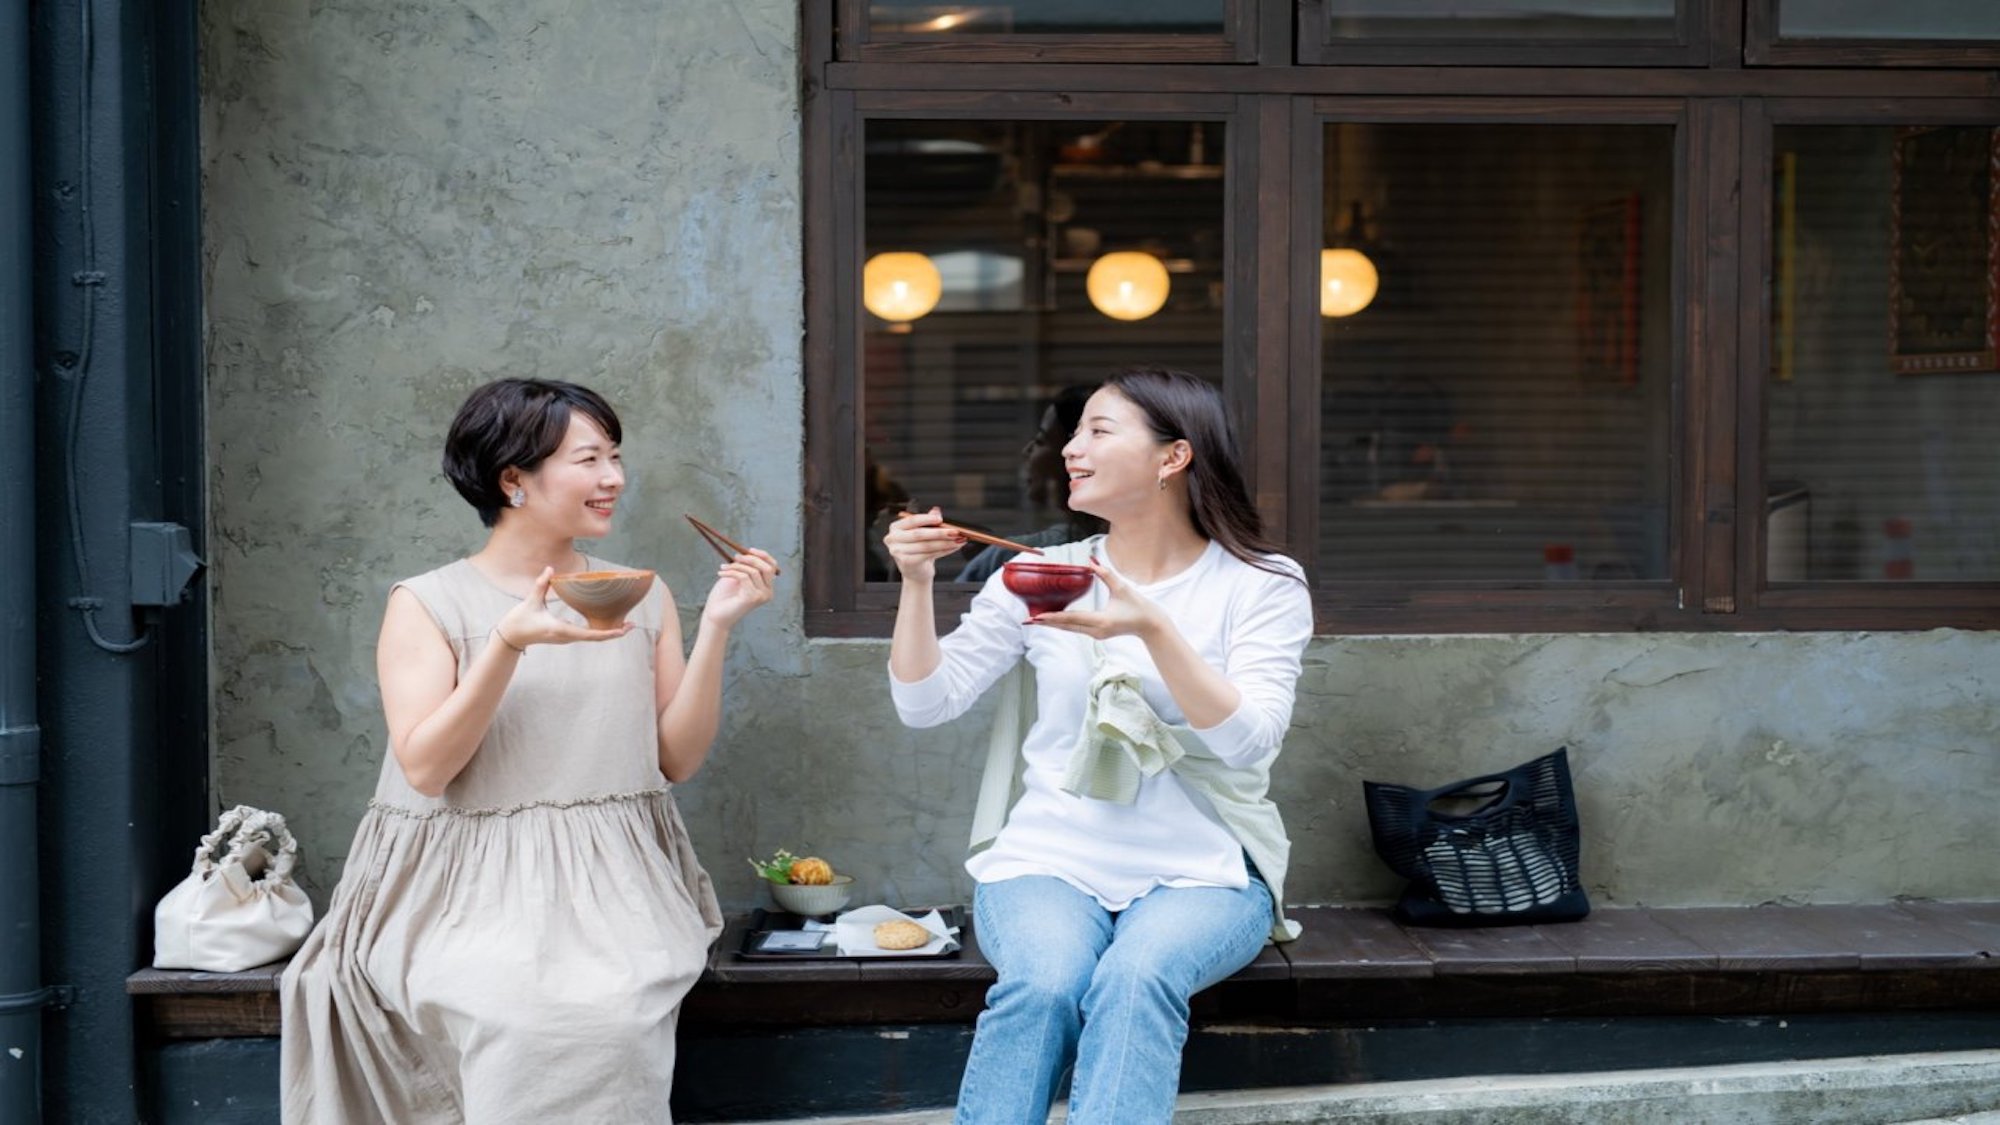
(517, 423)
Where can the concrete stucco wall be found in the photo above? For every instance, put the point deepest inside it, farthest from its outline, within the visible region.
(403, 201)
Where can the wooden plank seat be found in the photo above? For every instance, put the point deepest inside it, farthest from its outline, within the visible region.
(1351, 964)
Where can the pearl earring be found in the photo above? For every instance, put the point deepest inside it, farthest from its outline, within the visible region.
(1163, 484)
(520, 497)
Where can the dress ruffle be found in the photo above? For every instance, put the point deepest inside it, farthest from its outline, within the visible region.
(471, 954)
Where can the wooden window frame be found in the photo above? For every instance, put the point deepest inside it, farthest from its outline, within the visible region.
(1275, 111)
(838, 603)
(1237, 43)
(1380, 606)
(1695, 32)
(1763, 46)
(1813, 605)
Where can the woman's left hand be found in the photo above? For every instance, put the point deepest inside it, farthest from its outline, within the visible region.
(1125, 613)
(741, 585)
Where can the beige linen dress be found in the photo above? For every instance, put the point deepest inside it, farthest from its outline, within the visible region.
(516, 950)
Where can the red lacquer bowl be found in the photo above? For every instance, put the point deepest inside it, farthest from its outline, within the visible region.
(1046, 587)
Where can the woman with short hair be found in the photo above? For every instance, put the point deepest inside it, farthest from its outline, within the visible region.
(522, 912)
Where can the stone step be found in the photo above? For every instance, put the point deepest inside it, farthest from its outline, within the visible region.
(1956, 1088)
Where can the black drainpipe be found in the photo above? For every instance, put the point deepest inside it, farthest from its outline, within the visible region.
(22, 995)
(118, 380)
(120, 648)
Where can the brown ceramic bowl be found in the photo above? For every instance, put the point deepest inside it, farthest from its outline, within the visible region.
(1046, 587)
(604, 597)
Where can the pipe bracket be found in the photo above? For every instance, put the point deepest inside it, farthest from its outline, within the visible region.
(20, 755)
(54, 996)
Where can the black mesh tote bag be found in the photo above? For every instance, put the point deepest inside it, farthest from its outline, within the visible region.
(1497, 850)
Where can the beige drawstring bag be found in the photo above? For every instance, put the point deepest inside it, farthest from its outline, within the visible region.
(239, 907)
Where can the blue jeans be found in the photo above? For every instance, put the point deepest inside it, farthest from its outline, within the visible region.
(1109, 990)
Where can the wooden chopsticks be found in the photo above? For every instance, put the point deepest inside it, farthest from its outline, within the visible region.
(725, 546)
(980, 536)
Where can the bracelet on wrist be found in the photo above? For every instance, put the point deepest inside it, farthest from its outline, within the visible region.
(510, 644)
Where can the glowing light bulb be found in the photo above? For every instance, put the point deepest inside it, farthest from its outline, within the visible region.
(1347, 282)
(900, 285)
(1127, 285)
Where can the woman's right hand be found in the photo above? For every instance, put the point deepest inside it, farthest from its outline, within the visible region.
(531, 623)
(916, 542)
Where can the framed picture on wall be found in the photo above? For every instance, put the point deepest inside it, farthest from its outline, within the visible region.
(1607, 302)
(1944, 250)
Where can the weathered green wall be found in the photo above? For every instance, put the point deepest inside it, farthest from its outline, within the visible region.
(406, 200)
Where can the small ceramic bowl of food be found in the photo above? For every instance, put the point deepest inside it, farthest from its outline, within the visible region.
(1046, 587)
(813, 899)
(604, 597)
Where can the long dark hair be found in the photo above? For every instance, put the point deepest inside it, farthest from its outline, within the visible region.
(1180, 407)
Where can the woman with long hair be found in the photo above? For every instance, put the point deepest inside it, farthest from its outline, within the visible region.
(522, 912)
(1143, 861)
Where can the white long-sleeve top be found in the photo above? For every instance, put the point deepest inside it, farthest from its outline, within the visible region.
(1247, 623)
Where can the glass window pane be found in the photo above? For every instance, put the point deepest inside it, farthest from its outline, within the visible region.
(1460, 20)
(1875, 19)
(1883, 401)
(1049, 17)
(974, 369)
(1500, 408)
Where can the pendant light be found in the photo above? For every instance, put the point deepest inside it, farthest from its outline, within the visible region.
(1127, 285)
(1347, 279)
(900, 286)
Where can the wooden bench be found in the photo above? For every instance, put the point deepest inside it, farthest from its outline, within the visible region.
(1351, 964)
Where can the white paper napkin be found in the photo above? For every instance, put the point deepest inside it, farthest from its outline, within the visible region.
(854, 931)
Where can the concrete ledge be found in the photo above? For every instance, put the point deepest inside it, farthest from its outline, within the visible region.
(1876, 1090)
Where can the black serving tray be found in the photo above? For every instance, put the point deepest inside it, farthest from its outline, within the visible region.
(765, 921)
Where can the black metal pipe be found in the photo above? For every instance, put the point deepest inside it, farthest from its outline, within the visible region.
(91, 113)
(21, 992)
(121, 696)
